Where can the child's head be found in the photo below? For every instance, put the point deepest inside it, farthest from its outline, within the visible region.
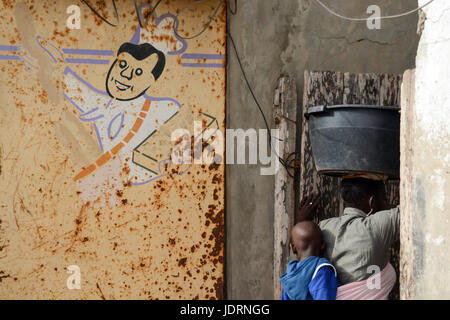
(306, 240)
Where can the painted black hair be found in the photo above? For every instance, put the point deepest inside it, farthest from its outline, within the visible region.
(355, 190)
(142, 51)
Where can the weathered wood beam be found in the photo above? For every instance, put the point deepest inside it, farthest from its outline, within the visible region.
(285, 111)
(407, 214)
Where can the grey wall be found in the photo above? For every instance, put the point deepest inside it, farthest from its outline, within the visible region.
(290, 36)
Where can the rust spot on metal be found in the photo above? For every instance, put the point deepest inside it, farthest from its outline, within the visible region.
(165, 237)
(182, 262)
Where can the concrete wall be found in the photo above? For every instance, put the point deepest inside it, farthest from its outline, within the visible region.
(426, 144)
(290, 36)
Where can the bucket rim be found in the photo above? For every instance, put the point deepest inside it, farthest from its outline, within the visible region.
(325, 108)
(339, 173)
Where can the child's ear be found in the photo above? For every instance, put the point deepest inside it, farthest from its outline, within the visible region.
(322, 246)
(293, 249)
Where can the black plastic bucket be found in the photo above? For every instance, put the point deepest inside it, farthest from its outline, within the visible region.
(355, 139)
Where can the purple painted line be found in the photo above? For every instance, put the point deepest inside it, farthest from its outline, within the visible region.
(8, 48)
(137, 35)
(25, 58)
(162, 162)
(111, 137)
(68, 70)
(27, 64)
(89, 52)
(72, 102)
(203, 65)
(89, 61)
(157, 22)
(89, 112)
(108, 104)
(48, 52)
(57, 49)
(183, 41)
(157, 177)
(203, 56)
(3, 57)
(98, 137)
(90, 119)
(147, 181)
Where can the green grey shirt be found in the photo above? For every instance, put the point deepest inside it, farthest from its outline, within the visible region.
(354, 242)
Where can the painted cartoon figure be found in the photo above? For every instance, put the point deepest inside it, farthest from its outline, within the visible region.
(124, 116)
(130, 125)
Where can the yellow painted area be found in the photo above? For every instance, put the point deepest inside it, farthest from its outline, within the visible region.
(63, 200)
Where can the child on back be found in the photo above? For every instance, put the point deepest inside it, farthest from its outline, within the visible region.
(309, 277)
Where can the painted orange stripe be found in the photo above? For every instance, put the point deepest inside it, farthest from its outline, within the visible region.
(117, 148)
(103, 159)
(107, 156)
(85, 172)
(128, 137)
(146, 106)
(137, 125)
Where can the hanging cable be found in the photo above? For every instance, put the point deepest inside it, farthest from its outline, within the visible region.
(204, 28)
(233, 12)
(286, 163)
(373, 18)
(95, 11)
(283, 162)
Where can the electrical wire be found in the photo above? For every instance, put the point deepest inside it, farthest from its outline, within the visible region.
(206, 25)
(371, 18)
(95, 11)
(233, 12)
(284, 162)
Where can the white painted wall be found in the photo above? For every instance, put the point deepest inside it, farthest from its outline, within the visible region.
(431, 155)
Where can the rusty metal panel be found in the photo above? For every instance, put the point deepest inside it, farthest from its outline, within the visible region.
(86, 177)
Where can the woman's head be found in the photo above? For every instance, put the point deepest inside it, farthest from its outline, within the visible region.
(364, 194)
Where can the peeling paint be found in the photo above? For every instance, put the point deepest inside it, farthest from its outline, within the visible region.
(427, 148)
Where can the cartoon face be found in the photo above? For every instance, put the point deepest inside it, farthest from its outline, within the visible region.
(129, 78)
